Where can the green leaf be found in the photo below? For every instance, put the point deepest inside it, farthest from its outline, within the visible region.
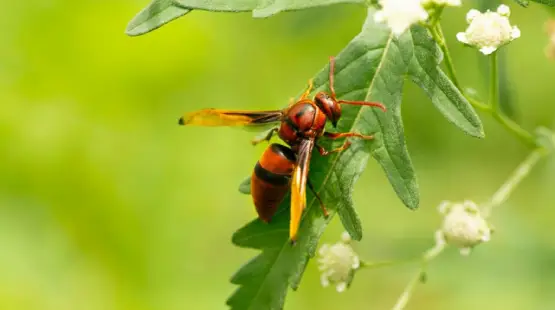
(271, 7)
(372, 67)
(425, 72)
(546, 2)
(523, 3)
(155, 15)
(260, 8)
(245, 186)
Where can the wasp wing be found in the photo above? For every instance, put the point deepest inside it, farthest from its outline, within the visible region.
(216, 117)
(298, 186)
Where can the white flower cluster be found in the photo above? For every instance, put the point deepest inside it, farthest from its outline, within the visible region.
(401, 14)
(463, 225)
(338, 263)
(490, 30)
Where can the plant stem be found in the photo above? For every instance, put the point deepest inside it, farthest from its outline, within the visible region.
(517, 131)
(375, 265)
(493, 84)
(405, 296)
(428, 256)
(493, 108)
(512, 182)
(437, 34)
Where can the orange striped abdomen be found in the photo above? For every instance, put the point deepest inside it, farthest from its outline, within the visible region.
(271, 179)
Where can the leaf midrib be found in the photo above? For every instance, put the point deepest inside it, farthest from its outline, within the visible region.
(333, 164)
(381, 125)
(359, 113)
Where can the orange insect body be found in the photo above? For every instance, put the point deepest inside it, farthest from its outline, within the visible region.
(281, 168)
(303, 120)
(271, 179)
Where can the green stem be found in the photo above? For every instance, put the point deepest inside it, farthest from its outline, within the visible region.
(514, 180)
(437, 34)
(375, 265)
(405, 296)
(428, 256)
(517, 131)
(493, 84)
(477, 104)
(493, 108)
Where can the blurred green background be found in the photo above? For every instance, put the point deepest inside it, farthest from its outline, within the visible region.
(105, 203)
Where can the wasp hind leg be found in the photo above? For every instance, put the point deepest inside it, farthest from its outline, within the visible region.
(322, 206)
(325, 152)
(264, 136)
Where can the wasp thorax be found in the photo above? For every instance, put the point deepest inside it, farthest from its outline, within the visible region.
(329, 106)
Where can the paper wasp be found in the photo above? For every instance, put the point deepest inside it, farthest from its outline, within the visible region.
(281, 168)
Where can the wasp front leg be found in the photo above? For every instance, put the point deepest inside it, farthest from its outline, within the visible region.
(325, 152)
(308, 90)
(338, 135)
(264, 136)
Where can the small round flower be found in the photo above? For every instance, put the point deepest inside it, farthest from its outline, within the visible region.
(338, 263)
(490, 30)
(463, 225)
(400, 14)
(504, 10)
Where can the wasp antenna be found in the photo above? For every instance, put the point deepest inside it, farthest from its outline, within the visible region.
(364, 103)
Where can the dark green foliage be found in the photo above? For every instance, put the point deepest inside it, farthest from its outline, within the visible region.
(161, 12)
(546, 2)
(525, 3)
(259, 8)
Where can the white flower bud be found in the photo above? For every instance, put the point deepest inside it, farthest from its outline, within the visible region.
(490, 30)
(472, 14)
(463, 226)
(400, 14)
(338, 263)
(504, 10)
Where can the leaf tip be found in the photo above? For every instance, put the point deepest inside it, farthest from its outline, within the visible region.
(236, 238)
(356, 236)
(413, 205)
(131, 33)
(412, 201)
(131, 29)
(477, 132)
(154, 16)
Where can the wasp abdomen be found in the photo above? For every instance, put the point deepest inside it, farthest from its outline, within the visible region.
(271, 179)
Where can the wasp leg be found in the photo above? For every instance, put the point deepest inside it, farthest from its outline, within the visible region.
(364, 103)
(325, 152)
(307, 91)
(292, 101)
(332, 69)
(264, 136)
(338, 135)
(326, 214)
